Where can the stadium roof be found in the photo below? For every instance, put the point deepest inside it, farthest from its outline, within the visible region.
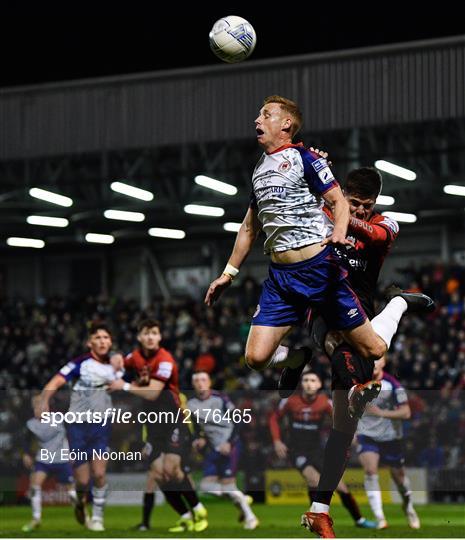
(157, 131)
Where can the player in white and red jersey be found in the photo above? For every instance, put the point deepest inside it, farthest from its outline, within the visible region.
(380, 439)
(90, 374)
(289, 186)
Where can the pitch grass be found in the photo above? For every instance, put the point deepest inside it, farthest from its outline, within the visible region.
(438, 521)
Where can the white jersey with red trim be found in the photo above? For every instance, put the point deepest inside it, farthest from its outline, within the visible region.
(90, 378)
(288, 189)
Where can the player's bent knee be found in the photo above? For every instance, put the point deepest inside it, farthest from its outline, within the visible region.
(373, 351)
(172, 472)
(255, 361)
(379, 349)
(157, 476)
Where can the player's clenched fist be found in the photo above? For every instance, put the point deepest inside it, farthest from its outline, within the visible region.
(216, 288)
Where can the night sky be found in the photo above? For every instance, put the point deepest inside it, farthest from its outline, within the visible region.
(39, 46)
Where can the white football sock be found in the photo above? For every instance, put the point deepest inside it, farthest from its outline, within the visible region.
(72, 495)
(374, 495)
(405, 492)
(98, 502)
(279, 357)
(319, 508)
(385, 324)
(284, 357)
(36, 503)
(231, 491)
(198, 506)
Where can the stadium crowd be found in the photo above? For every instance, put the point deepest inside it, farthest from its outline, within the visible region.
(427, 356)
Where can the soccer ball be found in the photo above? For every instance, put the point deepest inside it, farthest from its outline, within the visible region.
(232, 39)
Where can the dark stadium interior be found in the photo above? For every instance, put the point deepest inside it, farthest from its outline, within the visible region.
(119, 110)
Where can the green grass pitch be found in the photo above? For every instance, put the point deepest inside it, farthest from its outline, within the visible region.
(438, 521)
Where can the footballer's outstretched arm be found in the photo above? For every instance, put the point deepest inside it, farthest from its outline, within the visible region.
(43, 403)
(372, 233)
(151, 391)
(245, 239)
(402, 412)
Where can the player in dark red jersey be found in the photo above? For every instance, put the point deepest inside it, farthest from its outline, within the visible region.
(372, 236)
(305, 413)
(169, 439)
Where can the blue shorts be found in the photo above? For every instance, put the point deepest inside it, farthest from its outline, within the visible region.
(61, 471)
(85, 438)
(390, 452)
(319, 283)
(215, 464)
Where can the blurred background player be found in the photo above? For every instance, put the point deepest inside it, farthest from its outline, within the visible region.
(305, 413)
(52, 439)
(217, 435)
(379, 435)
(92, 372)
(169, 441)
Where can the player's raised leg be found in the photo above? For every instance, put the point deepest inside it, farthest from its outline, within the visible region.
(261, 350)
(373, 338)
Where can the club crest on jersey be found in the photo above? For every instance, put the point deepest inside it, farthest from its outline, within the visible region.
(285, 166)
(164, 369)
(353, 240)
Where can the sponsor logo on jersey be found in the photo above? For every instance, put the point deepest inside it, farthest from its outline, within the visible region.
(285, 166)
(352, 312)
(326, 176)
(272, 192)
(320, 164)
(66, 370)
(165, 369)
(401, 395)
(355, 263)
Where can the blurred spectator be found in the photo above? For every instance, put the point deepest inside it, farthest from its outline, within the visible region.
(427, 355)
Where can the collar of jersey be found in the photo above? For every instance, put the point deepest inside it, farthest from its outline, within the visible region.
(284, 146)
(148, 359)
(98, 359)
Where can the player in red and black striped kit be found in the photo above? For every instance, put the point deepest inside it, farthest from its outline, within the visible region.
(304, 413)
(372, 235)
(157, 381)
